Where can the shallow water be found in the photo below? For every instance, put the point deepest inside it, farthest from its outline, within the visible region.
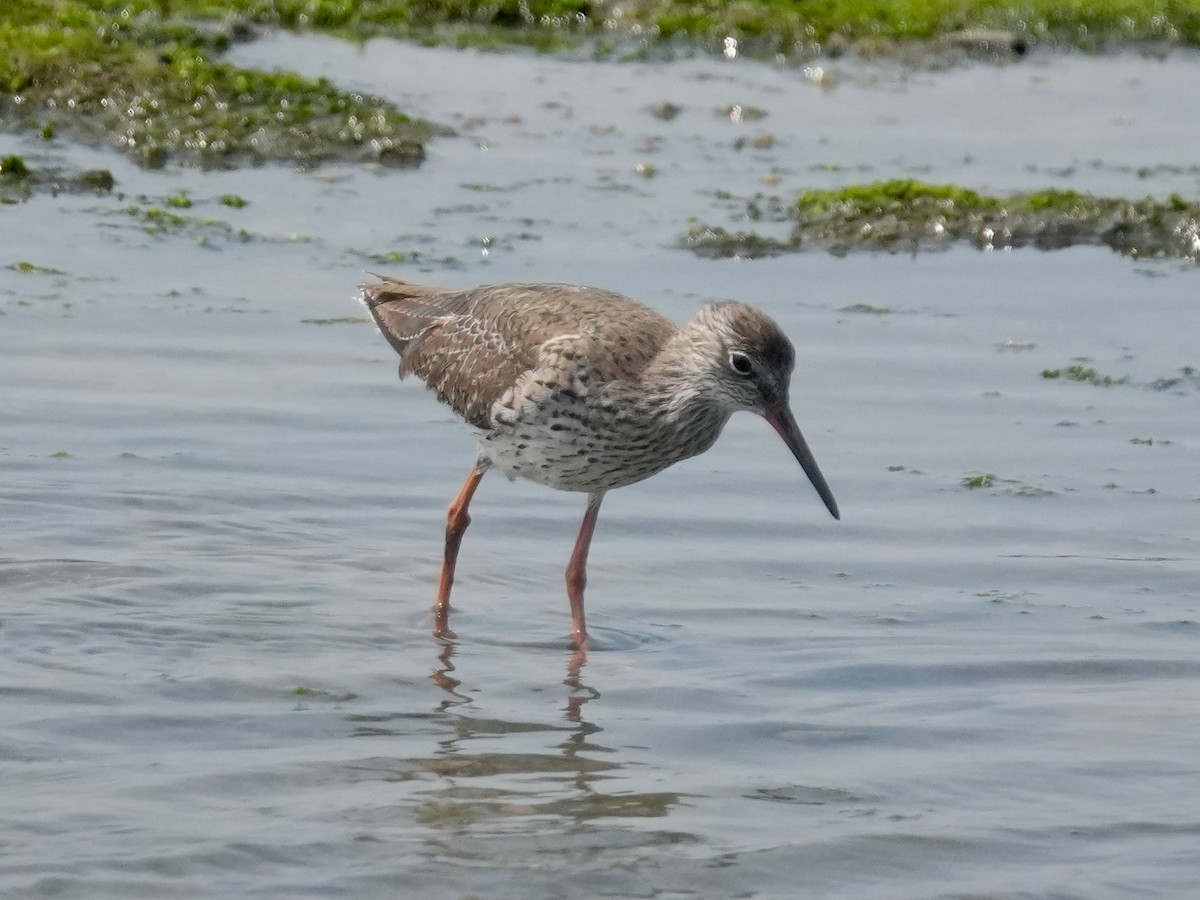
(218, 678)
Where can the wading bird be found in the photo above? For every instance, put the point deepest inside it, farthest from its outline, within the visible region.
(584, 390)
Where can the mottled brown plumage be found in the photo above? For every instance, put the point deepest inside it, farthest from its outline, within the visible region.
(472, 346)
(584, 390)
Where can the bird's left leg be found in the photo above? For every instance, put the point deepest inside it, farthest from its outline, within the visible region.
(457, 520)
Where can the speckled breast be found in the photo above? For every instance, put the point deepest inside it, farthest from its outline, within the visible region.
(561, 431)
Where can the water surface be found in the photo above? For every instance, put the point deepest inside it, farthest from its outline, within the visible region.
(222, 520)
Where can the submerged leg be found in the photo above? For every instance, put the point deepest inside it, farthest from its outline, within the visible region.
(457, 521)
(577, 569)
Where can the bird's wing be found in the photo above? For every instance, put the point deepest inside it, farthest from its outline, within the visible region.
(471, 346)
(448, 340)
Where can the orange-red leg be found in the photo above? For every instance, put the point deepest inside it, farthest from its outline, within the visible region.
(457, 520)
(577, 569)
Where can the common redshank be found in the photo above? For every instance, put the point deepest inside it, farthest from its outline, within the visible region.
(584, 390)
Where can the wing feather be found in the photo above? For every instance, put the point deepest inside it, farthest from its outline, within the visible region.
(471, 346)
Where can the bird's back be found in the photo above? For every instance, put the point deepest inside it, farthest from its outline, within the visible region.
(471, 346)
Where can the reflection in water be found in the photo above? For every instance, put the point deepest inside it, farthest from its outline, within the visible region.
(580, 692)
(442, 678)
(477, 787)
(490, 787)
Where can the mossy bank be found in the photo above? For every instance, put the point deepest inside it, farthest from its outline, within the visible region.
(905, 215)
(155, 86)
(148, 75)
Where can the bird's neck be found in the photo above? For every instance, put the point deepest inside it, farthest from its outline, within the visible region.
(680, 395)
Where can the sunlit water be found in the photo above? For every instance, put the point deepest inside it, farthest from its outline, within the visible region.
(221, 523)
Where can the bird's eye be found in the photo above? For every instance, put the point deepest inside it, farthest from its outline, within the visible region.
(740, 363)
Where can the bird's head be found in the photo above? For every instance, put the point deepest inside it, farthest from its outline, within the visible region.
(748, 361)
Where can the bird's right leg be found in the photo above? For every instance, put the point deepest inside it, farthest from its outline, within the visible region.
(457, 520)
(577, 570)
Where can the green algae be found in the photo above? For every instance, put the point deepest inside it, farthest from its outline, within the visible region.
(14, 167)
(1012, 486)
(154, 86)
(905, 215)
(1080, 371)
(756, 27)
(19, 180)
(99, 180)
(867, 308)
(28, 268)
(980, 480)
(461, 21)
(147, 75)
(891, 196)
(163, 221)
(1083, 373)
(780, 26)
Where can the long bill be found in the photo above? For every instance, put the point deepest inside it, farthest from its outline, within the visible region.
(784, 422)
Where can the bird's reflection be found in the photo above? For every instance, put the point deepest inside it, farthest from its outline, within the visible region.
(481, 782)
(580, 693)
(469, 750)
(442, 678)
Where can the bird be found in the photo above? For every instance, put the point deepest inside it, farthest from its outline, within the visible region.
(583, 389)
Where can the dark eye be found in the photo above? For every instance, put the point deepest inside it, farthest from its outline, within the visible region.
(740, 363)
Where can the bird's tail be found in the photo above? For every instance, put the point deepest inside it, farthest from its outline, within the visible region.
(405, 312)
